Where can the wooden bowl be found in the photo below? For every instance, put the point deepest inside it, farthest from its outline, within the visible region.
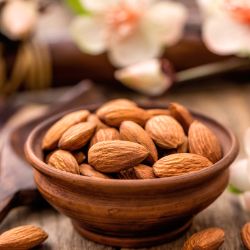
(131, 213)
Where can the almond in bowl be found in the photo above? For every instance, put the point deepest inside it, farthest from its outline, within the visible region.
(122, 164)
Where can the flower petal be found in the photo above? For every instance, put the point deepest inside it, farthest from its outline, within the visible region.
(240, 175)
(146, 77)
(98, 5)
(89, 34)
(133, 49)
(164, 21)
(224, 36)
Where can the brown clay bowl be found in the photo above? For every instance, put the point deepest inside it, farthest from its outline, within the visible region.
(131, 213)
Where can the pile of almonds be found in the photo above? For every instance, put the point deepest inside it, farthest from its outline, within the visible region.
(124, 141)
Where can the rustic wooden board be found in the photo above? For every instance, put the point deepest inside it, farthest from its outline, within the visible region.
(227, 103)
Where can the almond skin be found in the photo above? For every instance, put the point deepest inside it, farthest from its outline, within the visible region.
(155, 112)
(144, 172)
(93, 118)
(105, 134)
(79, 156)
(63, 160)
(77, 136)
(22, 238)
(114, 103)
(115, 156)
(55, 132)
(165, 131)
(202, 141)
(115, 115)
(127, 174)
(245, 235)
(208, 239)
(184, 147)
(179, 164)
(181, 114)
(130, 131)
(87, 170)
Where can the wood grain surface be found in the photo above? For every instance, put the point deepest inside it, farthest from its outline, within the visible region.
(223, 99)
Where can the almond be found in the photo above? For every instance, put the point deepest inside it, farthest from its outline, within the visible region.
(165, 131)
(93, 118)
(77, 136)
(178, 164)
(181, 114)
(79, 156)
(87, 170)
(115, 156)
(208, 239)
(130, 131)
(202, 141)
(55, 132)
(144, 172)
(105, 134)
(63, 160)
(22, 238)
(115, 115)
(114, 103)
(155, 112)
(183, 148)
(127, 174)
(245, 235)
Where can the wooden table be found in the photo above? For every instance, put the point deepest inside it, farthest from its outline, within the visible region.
(226, 101)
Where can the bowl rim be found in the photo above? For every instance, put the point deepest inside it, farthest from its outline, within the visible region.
(80, 180)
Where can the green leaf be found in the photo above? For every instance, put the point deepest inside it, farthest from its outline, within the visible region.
(234, 190)
(76, 6)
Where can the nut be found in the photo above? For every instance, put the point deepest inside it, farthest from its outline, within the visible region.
(155, 112)
(178, 164)
(76, 136)
(105, 134)
(181, 114)
(23, 237)
(245, 235)
(54, 134)
(144, 172)
(115, 156)
(115, 115)
(202, 141)
(93, 118)
(131, 131)
(165, 131)
(87, 170)
(63, 160)
(208, 239)
(79, 156)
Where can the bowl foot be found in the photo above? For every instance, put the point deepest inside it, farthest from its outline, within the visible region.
(130, 242)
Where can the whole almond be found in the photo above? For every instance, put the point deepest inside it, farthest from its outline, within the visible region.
(115, 156)
(115, 115)
(105, 134)
(181, 114)
(22, 238)
(114, 103)
(79, 156)
(178, 164)
(130, 131)
(155, 112)
(87, 170)
(202, 141)
(245, 235)
(208, 239)
(144, 172)
(93, 118)
(55, 132)
(165, 131)
(63, 160)
(77, 136)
